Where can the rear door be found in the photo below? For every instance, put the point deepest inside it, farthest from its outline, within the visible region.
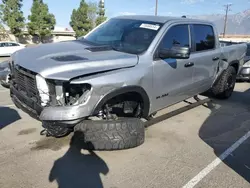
(13, 47)
(206, 56)
(172, 80)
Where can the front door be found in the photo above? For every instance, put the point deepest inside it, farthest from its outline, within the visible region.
(173, 77)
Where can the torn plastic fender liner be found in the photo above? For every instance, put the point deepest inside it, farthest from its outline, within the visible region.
(123, 90)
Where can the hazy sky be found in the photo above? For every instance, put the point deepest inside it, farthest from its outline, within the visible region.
(62, 9)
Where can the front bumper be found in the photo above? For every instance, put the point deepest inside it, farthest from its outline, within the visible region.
(244, 74)
(65, 114)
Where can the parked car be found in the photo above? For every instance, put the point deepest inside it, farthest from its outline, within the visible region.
(125, 69)
(245, 70)
(7, 48)
(5, 74)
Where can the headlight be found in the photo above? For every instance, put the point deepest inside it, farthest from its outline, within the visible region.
(43, 90)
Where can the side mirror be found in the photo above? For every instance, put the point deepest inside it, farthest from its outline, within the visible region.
(175, 52)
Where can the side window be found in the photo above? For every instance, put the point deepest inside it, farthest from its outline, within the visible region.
(13, 44)
(204, 37)
(176, 36)
(7, 44)
(2, 45)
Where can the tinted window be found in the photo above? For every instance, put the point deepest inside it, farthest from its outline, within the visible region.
(12, 44)
(176, 36)
(204, 37)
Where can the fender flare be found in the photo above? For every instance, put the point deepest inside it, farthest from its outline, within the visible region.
(124, 90)
(236, 62)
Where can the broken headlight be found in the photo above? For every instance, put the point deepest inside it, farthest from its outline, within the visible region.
(77, 93)
(43, 90)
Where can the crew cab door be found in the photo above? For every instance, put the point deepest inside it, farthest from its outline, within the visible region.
(206, 56)
(172, 78)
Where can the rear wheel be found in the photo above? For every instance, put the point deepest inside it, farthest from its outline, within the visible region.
(225, 86)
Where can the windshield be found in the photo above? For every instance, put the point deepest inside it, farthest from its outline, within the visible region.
(131, 36)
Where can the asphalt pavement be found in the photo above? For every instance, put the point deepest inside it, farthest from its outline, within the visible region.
(3, 59)
(184, 150)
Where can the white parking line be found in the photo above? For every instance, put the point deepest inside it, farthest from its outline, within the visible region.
(216, 162)
(9, 105)
(2, 91)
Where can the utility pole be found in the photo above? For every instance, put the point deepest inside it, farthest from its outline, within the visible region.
(225, 23)
(156, 7)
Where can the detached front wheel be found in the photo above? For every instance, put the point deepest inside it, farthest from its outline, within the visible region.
(225, 86)
(118, 134)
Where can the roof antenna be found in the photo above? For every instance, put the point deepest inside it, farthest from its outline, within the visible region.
(184, 16)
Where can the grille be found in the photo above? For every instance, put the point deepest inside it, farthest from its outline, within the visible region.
(26, 81)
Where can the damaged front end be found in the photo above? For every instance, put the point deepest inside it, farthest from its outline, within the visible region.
(59, 105)
(49, 100)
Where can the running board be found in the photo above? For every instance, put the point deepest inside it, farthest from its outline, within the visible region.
(178, 111)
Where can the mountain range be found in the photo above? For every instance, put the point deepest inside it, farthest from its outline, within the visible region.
(237, 24)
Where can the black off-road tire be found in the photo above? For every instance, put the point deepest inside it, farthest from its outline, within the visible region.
(111, 134)
(223, 89)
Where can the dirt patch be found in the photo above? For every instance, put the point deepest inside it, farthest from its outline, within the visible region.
(53, 144)
(27, 131)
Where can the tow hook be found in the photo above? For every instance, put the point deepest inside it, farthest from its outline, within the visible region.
(45, 132)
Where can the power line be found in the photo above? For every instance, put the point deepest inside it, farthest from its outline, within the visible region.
(156, 7)
(225, 23)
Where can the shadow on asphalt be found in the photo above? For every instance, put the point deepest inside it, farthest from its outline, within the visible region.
(227, 123)
(76, 169)
(8, 116)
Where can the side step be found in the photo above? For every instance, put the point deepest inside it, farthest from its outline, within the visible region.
(178, 111)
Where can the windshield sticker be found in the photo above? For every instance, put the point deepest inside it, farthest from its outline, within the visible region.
(150, 26)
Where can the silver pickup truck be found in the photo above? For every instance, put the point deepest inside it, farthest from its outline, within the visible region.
(126, 69)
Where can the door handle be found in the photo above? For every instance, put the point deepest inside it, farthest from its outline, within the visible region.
(216, 58)
(190, 64)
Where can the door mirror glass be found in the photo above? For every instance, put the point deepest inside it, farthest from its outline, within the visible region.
(175, 52)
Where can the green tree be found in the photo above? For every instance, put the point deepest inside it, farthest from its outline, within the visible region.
(1, 16)
(3, 33)
(80, 21)
(92, 9)
(41, 22)
(13, 16)
(101, 13)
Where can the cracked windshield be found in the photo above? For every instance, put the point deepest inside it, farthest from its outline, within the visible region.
(124, 94)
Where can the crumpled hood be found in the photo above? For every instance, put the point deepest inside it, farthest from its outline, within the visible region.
(66, 60)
